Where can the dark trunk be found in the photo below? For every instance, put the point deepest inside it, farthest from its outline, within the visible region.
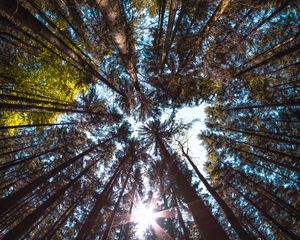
(90, 221)
(276, 56)
(208, 226)
(180, 218)
(273, 221)
(10, 164)
(19, 13)
(112, 217)
(12, 199)
(19, 230)
(232, 219)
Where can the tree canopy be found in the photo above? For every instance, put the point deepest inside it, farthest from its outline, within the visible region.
(90, 143)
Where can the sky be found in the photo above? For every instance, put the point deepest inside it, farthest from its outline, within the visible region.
(196, 150)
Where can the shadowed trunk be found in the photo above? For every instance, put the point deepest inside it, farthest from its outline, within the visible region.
(232, 219)
(208, 226)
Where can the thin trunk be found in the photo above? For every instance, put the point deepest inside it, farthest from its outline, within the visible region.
(209, 227)
(294, 103)
(160, 23)
(31, 100)
(269, 51)
(62, 219)
(275, 56)
(31, 37)
(264, 21)
(35, 125)
(30, 107)
(93, 215)
(112, 217)
(180, 218)
(162, 192)
(264, 159)
(275, 139)
(12, 199)
(31, 94)
(232, 219)
(202, 34)
(19, 13)
(57, 29)
(273, 221)
(20, 229)
(127, 225)
(167, 43)
(268, 194)
(261, 147)
(7, 165)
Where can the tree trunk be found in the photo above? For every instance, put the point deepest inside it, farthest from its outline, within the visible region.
(112, 217)
(36, 125)
(59, 222)
(273, 221)
(19, 230)
(276, 56)
(10, 164)
(209, 227)
(12, 199)
(251, 133)
(19, 13)
(200, 36)
(167, 43)
(88, 225)
(113, 16)
(264, 21)
(264, 159)
(32, 100)
(180, 218)
(232, 219)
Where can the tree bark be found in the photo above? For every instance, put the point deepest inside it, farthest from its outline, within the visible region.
(209, 227)
(232, 219)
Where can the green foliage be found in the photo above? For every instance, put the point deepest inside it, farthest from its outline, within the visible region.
(46, 76)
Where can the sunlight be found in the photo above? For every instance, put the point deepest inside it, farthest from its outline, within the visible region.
(144, 217)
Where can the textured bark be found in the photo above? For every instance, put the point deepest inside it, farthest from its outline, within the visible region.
(112, 14)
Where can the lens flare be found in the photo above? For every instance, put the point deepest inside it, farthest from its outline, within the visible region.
(144, 217)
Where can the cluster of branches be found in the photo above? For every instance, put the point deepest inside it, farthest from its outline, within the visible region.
(76, 61)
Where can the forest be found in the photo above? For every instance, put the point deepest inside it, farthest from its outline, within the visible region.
(91, 146)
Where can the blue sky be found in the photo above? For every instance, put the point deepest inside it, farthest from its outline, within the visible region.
(196, 150)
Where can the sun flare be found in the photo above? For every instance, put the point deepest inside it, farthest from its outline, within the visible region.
(144, 217)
